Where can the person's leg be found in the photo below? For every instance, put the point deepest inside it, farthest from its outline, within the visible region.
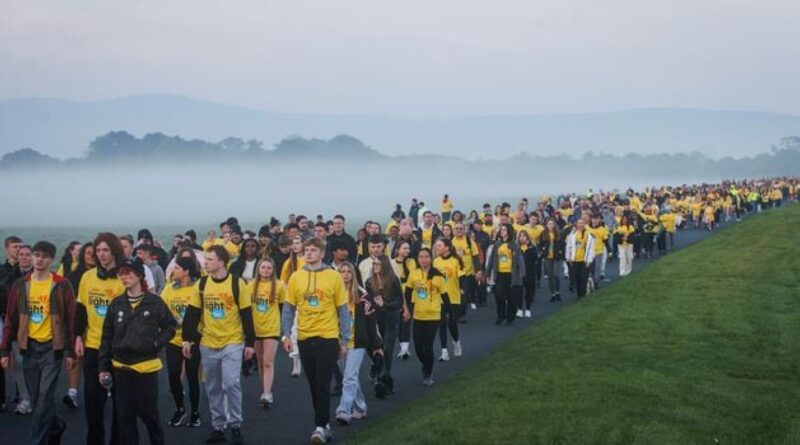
(445, 312)
(94, 399)
(512, 303)
(231, 382)
(419, 346)
(429, 332)
(580, 272)
(352, 363)
(211, 360)
(147, 406)
(37, 365)
(327, 352)
(452, 323)
(74, 379)
(174, 357)
(192, 370)
(125, 405)
(530, 292)
(269, 349)
(393, 323)
(19, 374)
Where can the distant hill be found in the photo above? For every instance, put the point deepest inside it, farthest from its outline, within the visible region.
(62, 128)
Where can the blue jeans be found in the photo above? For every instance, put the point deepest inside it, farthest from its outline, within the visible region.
(352, 396)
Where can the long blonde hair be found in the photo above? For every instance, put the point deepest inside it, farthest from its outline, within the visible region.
(272, 280)
(353, 293)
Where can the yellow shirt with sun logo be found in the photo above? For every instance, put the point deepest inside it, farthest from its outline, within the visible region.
(317, 296)
(96, 294)
(426, 295)
(266, 313)
(222, 324)
(452, 271)
(39, 326)
(177, 299)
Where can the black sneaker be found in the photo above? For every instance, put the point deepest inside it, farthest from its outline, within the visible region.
(381, 390)
(177, 418)
(236, 436)
(194, 420)
(70, 402)
(216, 436)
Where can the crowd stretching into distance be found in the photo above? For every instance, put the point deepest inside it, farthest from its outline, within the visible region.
(214, 309)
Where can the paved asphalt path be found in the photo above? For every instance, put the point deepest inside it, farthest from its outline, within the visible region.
(290, 421)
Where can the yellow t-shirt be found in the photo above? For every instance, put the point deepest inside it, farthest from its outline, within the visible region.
(72, 268)
(535, 233)
(488, 229)
(451, 270)
(467, 250)
(581, 239)
(351, 343)
(39, 326)
(600, 236)
(177, 300)
(427, 295)
(505, 258)
(624, 232)
(215, 242)
(286, 272)
(233, 249)
(317, 296)
(427, 237)
(410, 264)
(668, 221)
(95, 295)
(266, 314)
(222, 325)
(447, 206)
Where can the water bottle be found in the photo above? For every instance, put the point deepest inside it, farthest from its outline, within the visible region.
(107, 382)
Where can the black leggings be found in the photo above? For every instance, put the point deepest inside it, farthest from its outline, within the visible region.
(449, 321)
(424, 334)
(530, 290)
(175, 360)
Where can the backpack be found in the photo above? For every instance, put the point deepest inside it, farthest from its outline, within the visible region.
(234, 288)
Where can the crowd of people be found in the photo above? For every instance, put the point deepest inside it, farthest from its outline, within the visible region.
(118, 307)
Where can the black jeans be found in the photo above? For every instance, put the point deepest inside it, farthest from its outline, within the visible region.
(424, 335)
(389, 324)
(94, 398)
(136, 395)
(41, 367)
(580, 272)
(318, 356)
(449, 321)
(175, 361)
(505, 296)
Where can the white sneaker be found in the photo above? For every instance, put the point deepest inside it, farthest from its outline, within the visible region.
(457, 348)
(519, 313)
(403, 354)
(445, 356)
(527, 313)
(23, 407)
(319, 436)
(473, 306)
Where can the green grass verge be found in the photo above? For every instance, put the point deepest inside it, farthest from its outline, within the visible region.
(702, 346)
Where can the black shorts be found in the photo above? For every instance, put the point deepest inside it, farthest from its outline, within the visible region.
(274, 337)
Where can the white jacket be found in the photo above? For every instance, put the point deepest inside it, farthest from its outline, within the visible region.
(572, 247)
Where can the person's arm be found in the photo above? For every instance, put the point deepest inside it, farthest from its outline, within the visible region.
(8, 325)
(167, 325)
(106, 339)
(191, 319)
(246, 315)
(344, 325)
(287, 318)
(69, 318)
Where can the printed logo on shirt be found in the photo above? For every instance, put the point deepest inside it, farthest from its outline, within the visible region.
(217, 305)
(503, 258)
(422, 291)
(100, 302)
(313, 297)
(262, 304)
(37, 307)
(179, 308)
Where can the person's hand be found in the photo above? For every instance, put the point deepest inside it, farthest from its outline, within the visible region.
(287, 345)
(102, 375)
(378, 301)
(79, 349)
(4, 362)
(249, 351)
(187, 350)
(69, 363)
(342, 352)
(406, 314)
(378, 352)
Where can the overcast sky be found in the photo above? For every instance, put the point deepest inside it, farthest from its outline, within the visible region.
(411, 57)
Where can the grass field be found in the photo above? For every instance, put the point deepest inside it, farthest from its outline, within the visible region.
(702, 346)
